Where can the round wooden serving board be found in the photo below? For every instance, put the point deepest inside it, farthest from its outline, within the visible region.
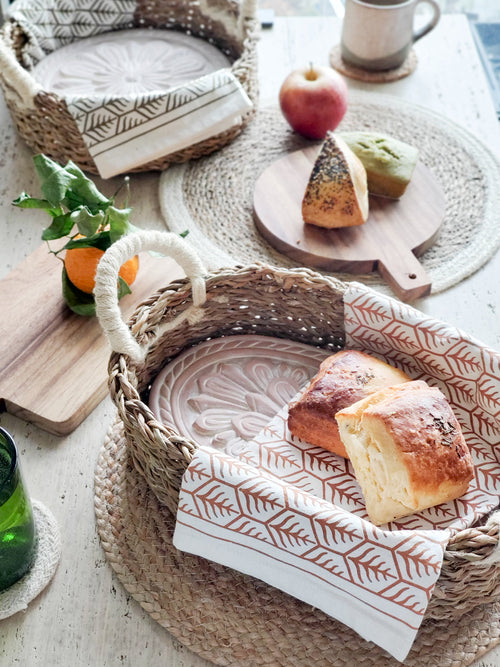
(396, 232)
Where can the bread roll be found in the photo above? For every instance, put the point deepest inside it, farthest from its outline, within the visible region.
(337, 193)
(407, 450)
(342, 379)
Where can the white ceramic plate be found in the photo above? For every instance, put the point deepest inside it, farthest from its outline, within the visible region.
(128, 63)
(223, 392)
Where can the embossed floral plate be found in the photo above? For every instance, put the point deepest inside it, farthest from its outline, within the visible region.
(128, 62)
(223, 392)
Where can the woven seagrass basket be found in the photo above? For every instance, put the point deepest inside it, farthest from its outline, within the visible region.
(296, 304)
(42, 118)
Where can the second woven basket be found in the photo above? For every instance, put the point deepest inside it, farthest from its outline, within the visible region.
(32, 30)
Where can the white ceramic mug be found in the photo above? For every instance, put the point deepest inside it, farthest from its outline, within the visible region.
(378, 34)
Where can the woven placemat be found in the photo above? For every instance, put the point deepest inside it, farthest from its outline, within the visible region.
(18, 596)
(212, 198)
(406, 68)
(232, 619)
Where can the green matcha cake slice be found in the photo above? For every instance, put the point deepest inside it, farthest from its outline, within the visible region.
(389, 162)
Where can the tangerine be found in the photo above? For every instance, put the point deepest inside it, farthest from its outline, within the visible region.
(81, 266)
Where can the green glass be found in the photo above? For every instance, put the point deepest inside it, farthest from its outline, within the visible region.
(17, 526)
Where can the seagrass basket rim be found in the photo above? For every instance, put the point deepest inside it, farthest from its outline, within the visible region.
(12, 32)
(178, 292)
(22, 25)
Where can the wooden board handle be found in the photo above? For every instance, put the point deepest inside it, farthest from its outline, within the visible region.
(404, 273)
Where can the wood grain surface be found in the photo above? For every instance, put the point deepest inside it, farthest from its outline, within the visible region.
(396, 232)
(53, 363)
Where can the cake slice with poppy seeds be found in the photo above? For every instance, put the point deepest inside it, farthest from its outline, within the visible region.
(336, 194)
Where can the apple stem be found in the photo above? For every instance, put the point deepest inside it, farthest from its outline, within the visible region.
(311, 74)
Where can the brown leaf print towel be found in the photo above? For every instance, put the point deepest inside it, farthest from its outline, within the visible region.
(293, 515)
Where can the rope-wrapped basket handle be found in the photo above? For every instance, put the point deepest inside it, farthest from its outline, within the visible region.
(105, 292)
(19, 80)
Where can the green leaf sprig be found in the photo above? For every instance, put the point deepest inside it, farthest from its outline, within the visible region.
(77, 208)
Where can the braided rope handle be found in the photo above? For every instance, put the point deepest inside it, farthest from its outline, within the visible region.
(105, 292)
(19, 81)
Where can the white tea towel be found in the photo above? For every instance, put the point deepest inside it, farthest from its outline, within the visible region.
(377, 582)
(127, 132)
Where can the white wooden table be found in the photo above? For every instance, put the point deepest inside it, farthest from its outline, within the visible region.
(85, 617)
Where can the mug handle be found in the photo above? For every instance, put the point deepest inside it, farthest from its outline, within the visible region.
(436, 14)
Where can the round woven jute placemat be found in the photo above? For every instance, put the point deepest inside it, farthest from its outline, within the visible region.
(407, 67)
(212, 198)
(232, 619)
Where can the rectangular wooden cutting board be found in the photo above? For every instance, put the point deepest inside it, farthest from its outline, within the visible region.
(53, 363)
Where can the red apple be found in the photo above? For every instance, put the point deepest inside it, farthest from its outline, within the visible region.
(313, 100)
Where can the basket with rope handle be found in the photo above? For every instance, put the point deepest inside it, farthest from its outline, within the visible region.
(43, 119)
(294, 304)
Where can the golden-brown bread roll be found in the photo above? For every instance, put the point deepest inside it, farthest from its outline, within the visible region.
(407, 450)
(342, 379)
(337, 192)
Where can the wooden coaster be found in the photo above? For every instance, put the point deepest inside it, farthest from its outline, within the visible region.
(360, 74)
